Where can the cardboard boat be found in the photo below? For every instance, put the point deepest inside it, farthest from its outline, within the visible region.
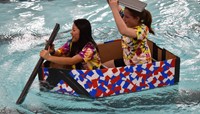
(163, 71)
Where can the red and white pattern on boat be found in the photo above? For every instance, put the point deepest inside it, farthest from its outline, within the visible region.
(114, 81)
(64, 88)
(61, 87)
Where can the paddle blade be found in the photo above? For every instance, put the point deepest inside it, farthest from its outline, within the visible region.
(39, 63)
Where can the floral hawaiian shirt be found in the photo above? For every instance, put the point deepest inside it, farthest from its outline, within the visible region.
(136, 50)
(89, 54)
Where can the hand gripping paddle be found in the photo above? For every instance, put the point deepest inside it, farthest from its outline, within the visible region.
(38, 65)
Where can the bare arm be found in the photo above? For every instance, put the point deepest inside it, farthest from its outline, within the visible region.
(65, 60)
(119, 8)
(61, 60)
(122, 27)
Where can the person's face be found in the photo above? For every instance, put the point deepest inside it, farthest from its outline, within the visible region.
(129, 20)
(75, 33)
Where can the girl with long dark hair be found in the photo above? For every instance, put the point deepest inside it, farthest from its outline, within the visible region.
(80, 52)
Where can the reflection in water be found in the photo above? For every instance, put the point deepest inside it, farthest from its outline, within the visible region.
(170, 99)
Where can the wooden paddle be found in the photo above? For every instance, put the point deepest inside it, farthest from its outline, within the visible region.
(38, 65)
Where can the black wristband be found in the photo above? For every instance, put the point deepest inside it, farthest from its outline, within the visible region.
(121, 12)
(53, 52)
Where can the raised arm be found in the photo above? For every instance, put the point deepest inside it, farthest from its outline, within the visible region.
(122, 27)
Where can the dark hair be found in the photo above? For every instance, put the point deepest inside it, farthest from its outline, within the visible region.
(145, 17)
(85, 36)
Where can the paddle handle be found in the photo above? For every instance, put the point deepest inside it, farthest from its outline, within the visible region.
(39, 63)
(29, 82)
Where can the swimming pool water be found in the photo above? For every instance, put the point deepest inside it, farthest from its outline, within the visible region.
(25, 24)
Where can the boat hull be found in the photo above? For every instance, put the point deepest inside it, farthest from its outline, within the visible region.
(110, 81)
(163, 71)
